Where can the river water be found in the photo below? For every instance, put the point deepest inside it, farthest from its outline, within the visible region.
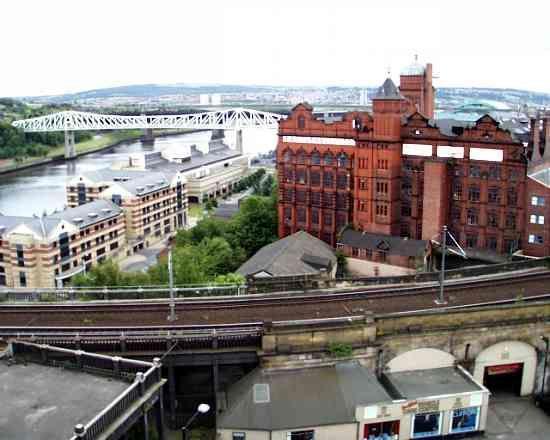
(42, 188)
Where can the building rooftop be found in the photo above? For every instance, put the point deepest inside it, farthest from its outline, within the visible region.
(198, 159)
(297, 254)
(392, 245)
(152, 181)
(45, 403)
(285, 399)
(431, 382)
(88, 213)
(388, 90)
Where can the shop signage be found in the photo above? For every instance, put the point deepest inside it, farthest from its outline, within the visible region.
(409, 407)
(428, 406)
(458, 403)
(503, 369)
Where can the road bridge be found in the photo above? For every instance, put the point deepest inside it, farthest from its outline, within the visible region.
(71, 121)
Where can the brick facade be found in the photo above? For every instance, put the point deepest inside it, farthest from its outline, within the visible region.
(397, 172)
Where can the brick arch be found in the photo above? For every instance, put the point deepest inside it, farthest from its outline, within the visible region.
(421, 358)
(509, 352)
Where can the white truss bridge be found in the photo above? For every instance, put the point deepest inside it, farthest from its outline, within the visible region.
(71, 121)
(228, 119)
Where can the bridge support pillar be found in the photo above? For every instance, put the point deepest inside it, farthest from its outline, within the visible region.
(239, 140)
(148, 135)
(70, 150)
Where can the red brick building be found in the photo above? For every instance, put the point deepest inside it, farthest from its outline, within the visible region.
(398, 172)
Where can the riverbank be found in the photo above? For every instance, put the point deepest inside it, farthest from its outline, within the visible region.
(94, 145)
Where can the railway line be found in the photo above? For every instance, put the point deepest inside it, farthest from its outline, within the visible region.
(196, 314)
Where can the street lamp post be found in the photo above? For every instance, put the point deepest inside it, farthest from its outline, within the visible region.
(203, 408)
(547, 342)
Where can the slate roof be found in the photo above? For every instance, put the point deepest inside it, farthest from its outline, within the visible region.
(430, 382)
(302, 398)
(198, 159)
(103, 208)
(388, 90)
(151, 182)
(378, 242)
(42, 226)
(108, 174)
(291, 255)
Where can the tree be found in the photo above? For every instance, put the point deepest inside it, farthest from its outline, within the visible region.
(255, 225)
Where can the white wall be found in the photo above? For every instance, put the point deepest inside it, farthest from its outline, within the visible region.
(509, 352)
(421, 359)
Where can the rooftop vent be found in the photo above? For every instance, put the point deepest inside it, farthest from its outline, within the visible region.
(106, 210)
(150, 185)
(261, 393)
(78, 219)
(160, 182)
(140, 188)
(92, 215)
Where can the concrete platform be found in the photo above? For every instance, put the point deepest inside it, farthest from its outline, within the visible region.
(45, 403)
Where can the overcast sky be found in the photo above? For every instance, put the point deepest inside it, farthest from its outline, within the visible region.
(58, 46)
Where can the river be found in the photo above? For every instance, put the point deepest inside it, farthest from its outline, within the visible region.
(42, 188)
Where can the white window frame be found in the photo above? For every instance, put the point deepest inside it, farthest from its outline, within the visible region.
(534, 201)
(440, 424)
(540, 220)
(533, 219)
(476, 428)
(531, 238)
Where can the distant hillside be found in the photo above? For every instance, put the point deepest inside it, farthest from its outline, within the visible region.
(447, 96)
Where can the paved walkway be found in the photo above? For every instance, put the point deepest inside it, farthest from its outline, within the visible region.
(516, 418)
(143, 259)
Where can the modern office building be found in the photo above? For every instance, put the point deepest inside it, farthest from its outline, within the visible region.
(47, 251)
(399, 172)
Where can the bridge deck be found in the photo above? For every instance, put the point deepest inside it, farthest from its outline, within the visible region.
(277, 309)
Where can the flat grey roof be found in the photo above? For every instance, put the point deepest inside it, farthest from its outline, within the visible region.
(44, 403)
(431, 382)
(301, 398)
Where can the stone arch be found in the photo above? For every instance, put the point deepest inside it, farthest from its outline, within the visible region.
(509, 352)
(421, 359)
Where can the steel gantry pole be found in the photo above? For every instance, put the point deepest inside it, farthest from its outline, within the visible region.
(172, 316)
(441, 299)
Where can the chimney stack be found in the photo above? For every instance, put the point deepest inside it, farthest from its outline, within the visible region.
(535, 139)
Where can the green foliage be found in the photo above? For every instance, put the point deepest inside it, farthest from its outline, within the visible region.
(265, 187)
(342, 263)
(250, 180)
(339, 350)
(17, 144)
(230, 278)
(255, 225)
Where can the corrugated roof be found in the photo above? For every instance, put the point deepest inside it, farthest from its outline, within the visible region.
(285, 257)
(302, 398)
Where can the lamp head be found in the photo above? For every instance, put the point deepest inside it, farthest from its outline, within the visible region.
(203, 408)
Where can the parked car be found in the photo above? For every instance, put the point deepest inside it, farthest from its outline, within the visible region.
(543, 402)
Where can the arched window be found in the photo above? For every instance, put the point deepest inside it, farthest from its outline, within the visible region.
(342, 160)
(288, 156)
(301, 156)
(315, 158)
(301, 122)
(328, 159)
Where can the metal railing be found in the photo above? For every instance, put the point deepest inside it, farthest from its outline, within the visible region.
(122, 368)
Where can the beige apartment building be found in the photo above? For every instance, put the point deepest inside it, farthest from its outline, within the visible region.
(47, 251)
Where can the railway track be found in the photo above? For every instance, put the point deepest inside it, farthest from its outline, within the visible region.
(227, 311)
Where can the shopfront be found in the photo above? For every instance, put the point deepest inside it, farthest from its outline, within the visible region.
(460, 410)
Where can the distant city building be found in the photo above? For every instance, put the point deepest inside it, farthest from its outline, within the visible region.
(204, 99)
(398, 172)
(363, 97)
(213, 99)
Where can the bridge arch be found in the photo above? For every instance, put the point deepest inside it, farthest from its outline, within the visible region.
(420, 359)
(508, 356)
